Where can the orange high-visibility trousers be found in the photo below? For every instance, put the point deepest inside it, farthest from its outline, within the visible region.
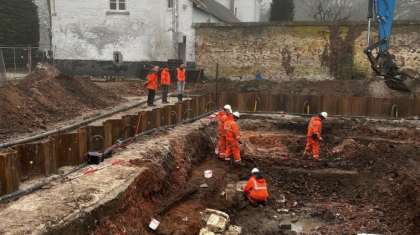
(232, 148)
(312, 146)
(222, 146)
(254, 199)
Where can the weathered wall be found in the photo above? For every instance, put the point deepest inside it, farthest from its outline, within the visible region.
(282, 50)
(84, 31)
(44, 21)
(86, 35)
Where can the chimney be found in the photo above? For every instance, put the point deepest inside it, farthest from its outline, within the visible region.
(232, 6)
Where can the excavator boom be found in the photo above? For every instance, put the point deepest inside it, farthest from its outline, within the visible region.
(383, 63)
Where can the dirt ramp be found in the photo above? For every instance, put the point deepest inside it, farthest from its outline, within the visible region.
(47, 96)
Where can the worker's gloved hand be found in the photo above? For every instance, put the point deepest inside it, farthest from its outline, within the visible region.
(240, 142)
(314, 135)
(145, 84)
(320, 138)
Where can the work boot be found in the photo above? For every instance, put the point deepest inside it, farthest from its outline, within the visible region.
(180, 97)
(227, 162)
(316, 159)
(306, 157)
(151, 105)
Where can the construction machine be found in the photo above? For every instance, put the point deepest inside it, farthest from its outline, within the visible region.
(396, 78)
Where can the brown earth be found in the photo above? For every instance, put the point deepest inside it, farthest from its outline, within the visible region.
(47, 96)
(374, 87)
(367, 184)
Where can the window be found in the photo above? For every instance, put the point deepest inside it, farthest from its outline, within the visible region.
(170, 3)
(117, 5)
(118, 58)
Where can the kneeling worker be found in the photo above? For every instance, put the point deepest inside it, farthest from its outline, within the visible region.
(256, 188)
(233, 139)
(314, 136)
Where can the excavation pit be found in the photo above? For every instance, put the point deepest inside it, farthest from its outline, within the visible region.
(366, 183)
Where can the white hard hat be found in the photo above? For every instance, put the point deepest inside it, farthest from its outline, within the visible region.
(255, 170)
(228, 107)
(236, 114)
(324, 114)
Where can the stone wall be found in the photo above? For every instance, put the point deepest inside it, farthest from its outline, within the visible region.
(289, 50)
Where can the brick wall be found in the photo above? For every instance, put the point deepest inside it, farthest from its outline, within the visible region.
(288, 50)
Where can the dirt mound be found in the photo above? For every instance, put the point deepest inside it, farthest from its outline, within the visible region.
(47, 96)
(374, 87)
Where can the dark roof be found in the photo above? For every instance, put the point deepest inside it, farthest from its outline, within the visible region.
(216, 9)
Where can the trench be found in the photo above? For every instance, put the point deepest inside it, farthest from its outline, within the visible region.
(368, 184)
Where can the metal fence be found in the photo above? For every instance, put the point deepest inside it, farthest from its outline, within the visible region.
(20, 61)
(3, 76)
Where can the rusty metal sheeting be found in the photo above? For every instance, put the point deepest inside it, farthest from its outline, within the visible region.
(38, 159)
(10, 172)
(70, 149)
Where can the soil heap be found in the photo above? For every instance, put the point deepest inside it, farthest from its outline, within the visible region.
(47, 96)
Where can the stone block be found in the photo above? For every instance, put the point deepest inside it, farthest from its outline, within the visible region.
(206, 231)
(217, 223)
(285, 225)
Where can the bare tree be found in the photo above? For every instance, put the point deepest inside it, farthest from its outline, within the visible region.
(332, 10)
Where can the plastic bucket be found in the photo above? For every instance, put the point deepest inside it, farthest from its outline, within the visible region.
(216, 150)
(208, 174)
(154, 224)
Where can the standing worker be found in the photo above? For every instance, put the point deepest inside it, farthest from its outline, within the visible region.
(152, 85)
(181, 74)
(233, 139)
(314, 136)
(223, 117)
(165, 81)
(256, 188)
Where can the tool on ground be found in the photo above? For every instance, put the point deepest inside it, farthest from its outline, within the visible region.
(246, 144)
(395, 77)
(97, 169)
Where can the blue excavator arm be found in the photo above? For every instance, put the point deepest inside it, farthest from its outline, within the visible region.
(397, 79)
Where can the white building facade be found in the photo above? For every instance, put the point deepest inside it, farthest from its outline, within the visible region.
(116, 37)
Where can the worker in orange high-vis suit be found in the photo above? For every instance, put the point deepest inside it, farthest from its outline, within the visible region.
(152, 85)
(181, 75)
(233, 139)
(314, 136)
(165, 81)
(256, 188)
(223, 117)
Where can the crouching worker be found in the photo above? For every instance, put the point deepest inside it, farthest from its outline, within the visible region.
(256, 188)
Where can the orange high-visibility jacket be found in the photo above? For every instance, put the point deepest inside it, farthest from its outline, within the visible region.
(315, 126)
(222, 119)
(258, 188)
(181, 74)
(232, 132)
(152, 80)
(165, 78)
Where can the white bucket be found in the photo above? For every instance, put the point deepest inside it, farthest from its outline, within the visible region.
(216, 150)
(208, 174)
(154, 224)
